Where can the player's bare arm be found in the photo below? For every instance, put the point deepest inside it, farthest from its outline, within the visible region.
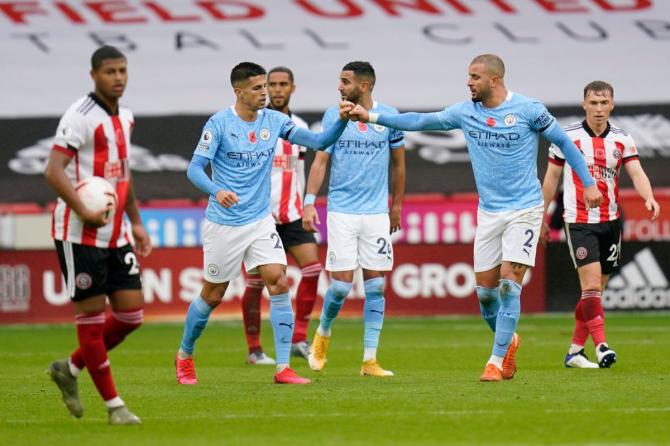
(398, 173)
(317, 173)
(643, 187)
(549, 187)
(142, 239)
(58, 180)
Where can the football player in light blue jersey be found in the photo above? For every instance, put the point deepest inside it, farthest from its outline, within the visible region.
(359, 221)
(501, 129)
(239, 143)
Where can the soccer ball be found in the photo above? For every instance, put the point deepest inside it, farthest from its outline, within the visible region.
(97, 194)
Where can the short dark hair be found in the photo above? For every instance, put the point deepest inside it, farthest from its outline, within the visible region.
(281, 69)
(599, 87)
(362, 69)
(104, 53)
(244, 71)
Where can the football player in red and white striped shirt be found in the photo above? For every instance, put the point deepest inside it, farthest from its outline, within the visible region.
(288, 184)
(96, 258)
(594, 235)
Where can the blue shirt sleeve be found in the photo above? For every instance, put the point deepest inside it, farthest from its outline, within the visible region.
(411, 121)
(396, 138)
(317, 141)
(539, 117)
(555, 134)
(196, 173)
(327, 122)
(209, 140)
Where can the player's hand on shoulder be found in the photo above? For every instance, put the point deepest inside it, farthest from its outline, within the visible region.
(310, 218)
(653, 206)
(142, 240)
(358, 113)
(592, 197)
(345, 108)
(95, 219)
(226, 198)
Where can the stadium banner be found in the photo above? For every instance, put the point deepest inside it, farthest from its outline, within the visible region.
(641, 283)
(181, 52)
(437, 162)
(427, 280)
(425, 219)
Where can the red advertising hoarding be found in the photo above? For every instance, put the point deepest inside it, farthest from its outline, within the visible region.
(426, 280)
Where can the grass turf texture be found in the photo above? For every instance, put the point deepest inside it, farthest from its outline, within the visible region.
(435, 397)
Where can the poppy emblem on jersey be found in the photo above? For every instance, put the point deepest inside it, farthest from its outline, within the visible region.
(252, 137)
(633, 149)
(490, 121)
(213, 269)
(510, 119)
(83, 281)
(581, 253)
(265, 134)
(362, 127)
(380, 128)
(616, 154)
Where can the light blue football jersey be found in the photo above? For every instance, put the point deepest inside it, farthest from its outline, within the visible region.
(241, 155)
(502, 143)
(360, 163)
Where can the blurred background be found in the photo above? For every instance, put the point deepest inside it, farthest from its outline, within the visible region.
(180, 54)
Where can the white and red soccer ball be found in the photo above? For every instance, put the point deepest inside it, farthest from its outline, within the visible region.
(97, 194)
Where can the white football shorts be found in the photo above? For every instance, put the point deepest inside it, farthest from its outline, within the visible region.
(226, 247)
(359, 240)
(509, 236)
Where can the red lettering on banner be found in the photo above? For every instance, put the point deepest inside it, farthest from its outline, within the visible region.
(167, 16)
(70, 13)
(636, 6)
(562, 5)
(213, 8)
(391, 7)
(109, 11)
(504, 6)
(458, 6)
(353, 10)
(17, 12)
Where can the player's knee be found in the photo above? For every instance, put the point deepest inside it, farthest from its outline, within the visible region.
(374, 288)
(509, 291)
(340, 289)
(487, 295)
(279, 285)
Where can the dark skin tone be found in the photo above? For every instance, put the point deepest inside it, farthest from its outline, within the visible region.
(110, 80)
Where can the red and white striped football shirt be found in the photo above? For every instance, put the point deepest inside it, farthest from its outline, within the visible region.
(604, 156)
(99, 144)
(288, 178)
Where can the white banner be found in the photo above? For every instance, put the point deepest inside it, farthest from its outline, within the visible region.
(181, 52)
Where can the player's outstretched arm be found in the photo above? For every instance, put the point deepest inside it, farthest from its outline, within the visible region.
(555, 134)
(403, 121)
(643, 187)
(320, 141)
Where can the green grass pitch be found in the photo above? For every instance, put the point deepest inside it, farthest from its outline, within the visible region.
(434, 399)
